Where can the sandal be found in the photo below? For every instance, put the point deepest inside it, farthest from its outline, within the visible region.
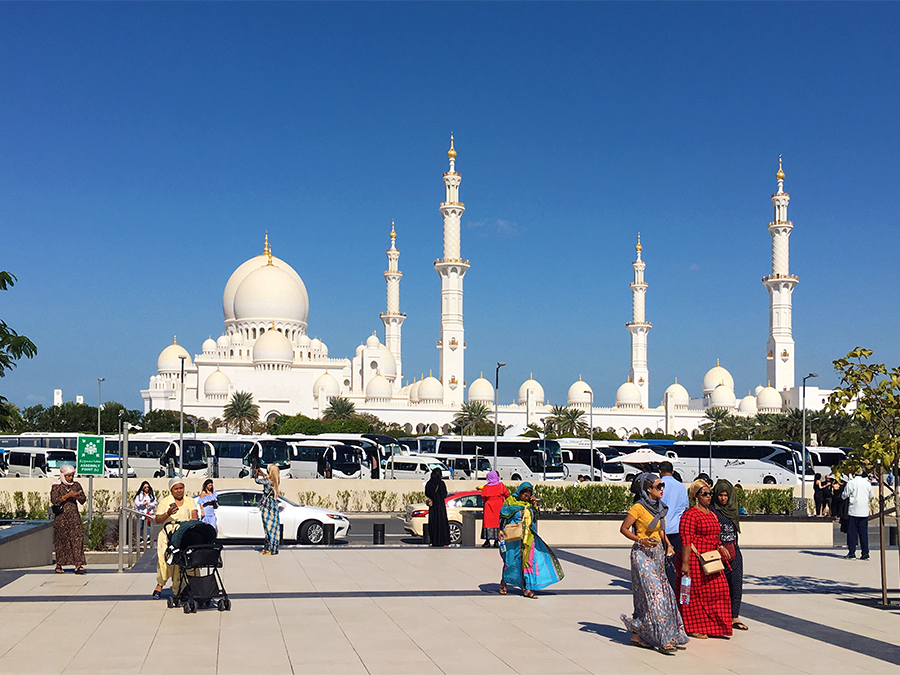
(640, 643)
(668, 650)
(699, 636)
(79, 569)
(739, 626)
(529, 594)
(59, 570)
(503, 589)
(157, 594)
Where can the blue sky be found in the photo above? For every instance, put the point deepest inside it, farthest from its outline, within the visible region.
(146, 148)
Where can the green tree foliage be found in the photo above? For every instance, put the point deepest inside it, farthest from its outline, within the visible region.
(12, 345)
(298, 424)
(241, 412)
(339, 409)
(566, 421)
(163, 421)
(473, 419)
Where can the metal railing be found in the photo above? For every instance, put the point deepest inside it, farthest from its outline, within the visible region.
(137, 540)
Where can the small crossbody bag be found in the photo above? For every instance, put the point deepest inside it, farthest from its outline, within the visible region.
(710, 562)
(513, 532)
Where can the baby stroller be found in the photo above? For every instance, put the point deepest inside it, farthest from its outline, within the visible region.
(193, 548)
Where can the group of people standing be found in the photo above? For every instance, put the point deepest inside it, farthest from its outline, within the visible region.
(686, 564)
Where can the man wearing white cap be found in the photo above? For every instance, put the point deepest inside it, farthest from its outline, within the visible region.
(173, 508)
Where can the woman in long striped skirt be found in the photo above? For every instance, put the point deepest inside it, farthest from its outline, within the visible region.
(268, 507)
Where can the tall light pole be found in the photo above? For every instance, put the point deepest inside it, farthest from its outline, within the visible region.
(99, 380)
(591, 430)
(803, 471)
(181, 422)
(496, 387)
(91, 477)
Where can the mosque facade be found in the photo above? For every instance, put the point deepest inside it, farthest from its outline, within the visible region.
(265, 350)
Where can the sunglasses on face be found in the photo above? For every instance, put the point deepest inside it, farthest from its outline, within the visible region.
(659, 486)
(706, 494)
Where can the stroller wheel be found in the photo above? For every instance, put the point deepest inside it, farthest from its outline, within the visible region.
(220, 605)
(227, 603)
(171, 602)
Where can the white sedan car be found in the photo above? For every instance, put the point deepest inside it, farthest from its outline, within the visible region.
(238, 517)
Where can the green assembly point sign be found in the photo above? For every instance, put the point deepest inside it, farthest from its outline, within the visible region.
(90, 455)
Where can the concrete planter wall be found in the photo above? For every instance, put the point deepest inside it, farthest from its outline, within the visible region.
(26, 544)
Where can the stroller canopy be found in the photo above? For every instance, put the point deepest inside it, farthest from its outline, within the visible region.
(192, 533)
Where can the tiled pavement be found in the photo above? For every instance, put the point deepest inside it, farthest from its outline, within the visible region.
(396, 610)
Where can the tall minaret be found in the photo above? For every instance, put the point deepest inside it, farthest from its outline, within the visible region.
(639, 328)
(452, 268)
(780, 346)
(393, 317)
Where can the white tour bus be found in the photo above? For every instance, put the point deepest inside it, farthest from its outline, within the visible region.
(737, 461)
(823, 459)
(519, 458)
(31, 462)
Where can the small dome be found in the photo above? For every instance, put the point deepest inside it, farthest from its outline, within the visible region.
(223, 341)
(580, 393)
(722, 397)
(332, 388)
(414, 392)
(481, 390)
(209, 345)
(273, 347)
(268, 293)
(388, 364)
(680, 396)
(303, 341)
(237, 338)
(628, 396)
(748, 405)
(538, 391)
(768, 400)
(431, 389)
(379, 388)
(372, 341)
(217, 384)
(758, 389)
(316, 344)
(169, 359)
(714, 377)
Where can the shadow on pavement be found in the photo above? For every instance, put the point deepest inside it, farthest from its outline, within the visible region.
(612, 633)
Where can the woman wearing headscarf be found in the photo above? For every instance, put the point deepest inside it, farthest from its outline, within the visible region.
(68, 535)
(493, 494)
(708, 613)
(527, 562)
(175, 507)
(436, 494)
(269, 510)
(726, 508)
(656, 622)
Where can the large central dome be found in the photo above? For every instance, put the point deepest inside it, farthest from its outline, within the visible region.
(287, 297)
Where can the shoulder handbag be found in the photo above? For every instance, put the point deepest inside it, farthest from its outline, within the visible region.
(56, 509)
(513, 532)
(710, 562)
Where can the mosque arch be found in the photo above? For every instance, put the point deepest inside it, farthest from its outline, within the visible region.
(434, 428)
(408, 428)
(420, 428)
(446, 429)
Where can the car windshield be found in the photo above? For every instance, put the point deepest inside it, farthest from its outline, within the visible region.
(483, 464)
(274, 452)
(288, 501)
(436, 465)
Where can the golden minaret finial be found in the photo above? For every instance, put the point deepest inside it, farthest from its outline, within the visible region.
(451, 153)
(175, 340)
(393, 232)
(266, 249)
(639, 248)
(780, 174)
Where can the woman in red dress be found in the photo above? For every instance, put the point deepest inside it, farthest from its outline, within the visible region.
(493, 494)
(708, 613)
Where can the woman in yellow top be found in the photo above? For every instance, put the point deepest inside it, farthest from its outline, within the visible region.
(656, 622)
(174, 508)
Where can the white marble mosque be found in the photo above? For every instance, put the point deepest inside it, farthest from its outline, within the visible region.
(265, 349)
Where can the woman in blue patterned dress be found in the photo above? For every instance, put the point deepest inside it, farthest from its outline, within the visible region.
(268, 507)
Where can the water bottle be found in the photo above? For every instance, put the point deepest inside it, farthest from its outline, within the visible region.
(685, 590)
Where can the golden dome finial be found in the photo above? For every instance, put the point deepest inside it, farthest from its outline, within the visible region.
(266, 249)
(451, 153)
(393, 232)
(175, 340)
(780, 174)
(717, 362)
(639, 248)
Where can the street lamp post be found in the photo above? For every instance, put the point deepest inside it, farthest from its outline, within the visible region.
(181, 422)
(496, 387)
(591, 430)
(803, 471)
(126, 427)
(91, 478)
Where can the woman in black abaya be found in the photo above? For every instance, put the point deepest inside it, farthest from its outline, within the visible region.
(438, 526)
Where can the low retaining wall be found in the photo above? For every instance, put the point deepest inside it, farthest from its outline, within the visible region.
(26, 544)
(581, 529)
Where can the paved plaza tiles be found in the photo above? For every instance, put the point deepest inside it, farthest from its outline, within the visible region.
(396, 610)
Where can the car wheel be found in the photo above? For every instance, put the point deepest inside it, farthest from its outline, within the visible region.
(312, 532)
(769, 480)
(455, 532)
(516, 476)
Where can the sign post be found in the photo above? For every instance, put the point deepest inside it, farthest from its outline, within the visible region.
(91, 453)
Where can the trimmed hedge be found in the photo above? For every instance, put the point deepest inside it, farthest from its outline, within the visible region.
(584, 498)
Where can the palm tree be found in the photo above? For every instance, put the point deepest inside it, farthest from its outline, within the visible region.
(474, 415)
(241, 411)
(338, 409)
(565, 421)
